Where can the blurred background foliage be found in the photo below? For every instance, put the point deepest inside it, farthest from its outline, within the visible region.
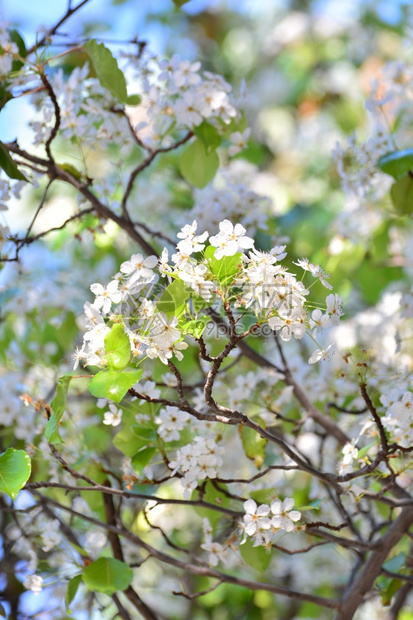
(304, 69)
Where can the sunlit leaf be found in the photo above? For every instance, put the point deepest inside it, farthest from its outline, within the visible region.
(15, 469)
(8, 165)
(198, 166)
(58, 406)
(107, 70)
(113, 384)
(117, 348)
(107, 575)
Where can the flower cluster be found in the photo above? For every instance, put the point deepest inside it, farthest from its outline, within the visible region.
(255, 280)
(399, 416)
(197, 461)
(9, 50)
(178, 96)
(258, 523)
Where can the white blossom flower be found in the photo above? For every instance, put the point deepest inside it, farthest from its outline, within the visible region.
(34, 583)
(284, 518)
(238, 141)
(321, 354)
(255, 517)
(50, 535)
(139, 268)
(106, 296)
(230, 240)
(112, 417)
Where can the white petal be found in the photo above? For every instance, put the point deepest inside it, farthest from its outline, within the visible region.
(288, 503)
(250, 507)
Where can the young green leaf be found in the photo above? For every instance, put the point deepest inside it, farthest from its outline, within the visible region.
(117, 348)
(364, 451)
(401, 194)
(8, 165)
(198, 166)
(224, 269)
(196, 327)
(142, 458)
(257, 557)
(131, 439)
(133, 100)
(397, 163)
(107, 70)
(388, 589)
(113, 384)
(263, 496)
(17, 39)
(72, 588)
(73, 171)
(58, 406)
(212, 495)
(253, 444)
(174, 299)
(15, 470)
(107, 575)
(314, 505)
(208, 135)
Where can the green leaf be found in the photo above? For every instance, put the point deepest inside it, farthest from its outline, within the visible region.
(142, 458)
(72, 588)
(8, 165)
(238, 123)
(198, 166)
(226, 268)
(133, 99)
(209, 136)
(395, 563)
(73, 171)
(211, 495)
(3, 613)
(364, 451)
(314, 505)
(16, 38)
(107, 70)
(179, 3)
(58, 406)
(196, 327)
(113, 384)
(130, 440)
(174, 299)
(199, 303)
(117, 348)
(78, 548)
(108, 576)
(257, 557)
(253, 444)
(5, 96)
(15, 470)
(401, 194)
(396, 163)
(263, 496)
(389, 589)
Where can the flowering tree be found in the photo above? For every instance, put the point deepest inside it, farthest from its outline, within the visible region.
(211, 427)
